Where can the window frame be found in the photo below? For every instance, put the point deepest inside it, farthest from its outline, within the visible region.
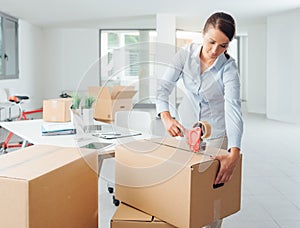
(4, 18)
(115, 29)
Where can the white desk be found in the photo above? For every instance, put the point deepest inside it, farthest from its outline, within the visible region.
(30, 131)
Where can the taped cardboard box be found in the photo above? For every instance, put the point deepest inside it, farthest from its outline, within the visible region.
(110, 100)
(163, 178)
(57, 110)
(49, 186)
(129, 217)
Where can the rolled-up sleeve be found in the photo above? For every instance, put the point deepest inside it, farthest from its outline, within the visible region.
(233, 115)
(167, 82)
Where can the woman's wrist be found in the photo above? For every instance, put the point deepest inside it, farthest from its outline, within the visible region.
(165, 115)
(235, 152)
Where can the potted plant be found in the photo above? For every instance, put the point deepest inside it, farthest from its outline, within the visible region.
(87, 111)
(88, 102)
(76, 100)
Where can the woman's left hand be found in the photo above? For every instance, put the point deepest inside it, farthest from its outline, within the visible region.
(227, 165)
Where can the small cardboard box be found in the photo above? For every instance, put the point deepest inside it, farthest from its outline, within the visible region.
(49, 186)
(129, 217)
(110, 100)
(163, 178)
(57, 110)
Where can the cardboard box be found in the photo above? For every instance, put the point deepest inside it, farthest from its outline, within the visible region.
(49, 186)
(57, 110)
(129, 217)
(110, 100)
(163, 178)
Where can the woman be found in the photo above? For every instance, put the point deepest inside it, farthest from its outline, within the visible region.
(211, 79)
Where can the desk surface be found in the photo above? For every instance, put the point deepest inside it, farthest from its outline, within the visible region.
(30, 130)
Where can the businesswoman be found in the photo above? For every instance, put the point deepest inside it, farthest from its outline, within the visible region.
(211, 79)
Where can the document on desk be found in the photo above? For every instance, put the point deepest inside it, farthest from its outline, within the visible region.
(53, 128)
(114, 132)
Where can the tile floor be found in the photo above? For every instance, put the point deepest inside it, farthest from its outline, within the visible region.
(271, 178)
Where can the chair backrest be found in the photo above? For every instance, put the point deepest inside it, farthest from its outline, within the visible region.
(3, 95)
(134, 120)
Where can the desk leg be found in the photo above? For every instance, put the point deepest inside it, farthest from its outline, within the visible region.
(101, 157)
(24, 143)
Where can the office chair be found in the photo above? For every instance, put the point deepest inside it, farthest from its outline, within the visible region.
(132, 120)
(8, 108)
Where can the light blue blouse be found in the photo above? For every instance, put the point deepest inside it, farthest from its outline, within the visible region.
(215, 94)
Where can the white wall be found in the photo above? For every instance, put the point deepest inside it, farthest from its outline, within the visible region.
(283, 67)
(255, 77)
(70, 60)
(165, 50)
(30, 65)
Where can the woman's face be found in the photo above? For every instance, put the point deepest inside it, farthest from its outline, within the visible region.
(215, 43)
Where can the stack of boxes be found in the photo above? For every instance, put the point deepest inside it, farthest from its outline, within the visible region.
(164, 180)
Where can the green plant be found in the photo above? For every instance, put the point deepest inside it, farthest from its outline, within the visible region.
(89, 102)
(76, 99)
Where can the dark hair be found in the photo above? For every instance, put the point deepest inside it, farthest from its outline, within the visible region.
(222, 21)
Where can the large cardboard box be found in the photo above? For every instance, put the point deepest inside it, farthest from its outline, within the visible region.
(129, 217)
(49, 186)
(163, 178)
(110, 100)
(57, 110)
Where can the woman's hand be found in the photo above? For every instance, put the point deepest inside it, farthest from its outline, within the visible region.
(173, 127)
(227, 165)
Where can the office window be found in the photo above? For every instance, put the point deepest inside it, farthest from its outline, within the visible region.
(9, 68)
(127, 58)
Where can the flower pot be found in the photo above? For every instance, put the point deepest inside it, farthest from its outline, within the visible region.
(88, 116)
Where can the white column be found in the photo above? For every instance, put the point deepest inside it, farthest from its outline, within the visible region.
(166, 48)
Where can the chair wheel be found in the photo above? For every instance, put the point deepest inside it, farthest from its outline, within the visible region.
(115, 201)
(3, 151)
(110, 189)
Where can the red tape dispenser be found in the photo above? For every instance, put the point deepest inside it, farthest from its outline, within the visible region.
(195, 136)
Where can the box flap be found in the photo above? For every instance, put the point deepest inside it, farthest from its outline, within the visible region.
(123, 92)
(104, 93)
(34, 161)
(67, 100)
(177, 147)
(181, 143)
(93, 91)
(127, 213)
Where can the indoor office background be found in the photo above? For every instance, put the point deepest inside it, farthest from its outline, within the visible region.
(66, 46)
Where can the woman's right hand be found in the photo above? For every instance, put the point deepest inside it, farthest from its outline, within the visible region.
(173, 127)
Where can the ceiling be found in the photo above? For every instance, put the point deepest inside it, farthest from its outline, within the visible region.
(48, 13)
